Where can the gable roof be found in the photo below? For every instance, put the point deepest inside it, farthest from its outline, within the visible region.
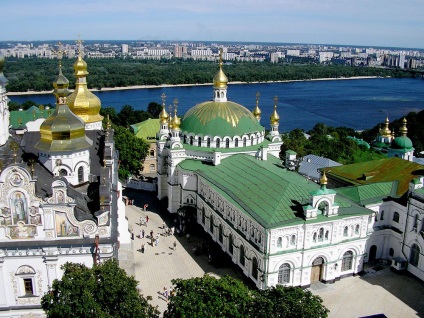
(310, 165)
(147, 129)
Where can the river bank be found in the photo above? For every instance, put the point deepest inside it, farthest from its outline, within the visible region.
(105, 89)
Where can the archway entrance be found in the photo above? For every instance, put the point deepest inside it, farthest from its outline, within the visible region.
(316, 271)
(373, 253)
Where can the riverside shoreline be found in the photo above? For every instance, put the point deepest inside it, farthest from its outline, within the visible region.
(185, 85)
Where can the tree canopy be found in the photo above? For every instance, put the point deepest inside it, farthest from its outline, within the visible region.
(103, 291)
(228, 297)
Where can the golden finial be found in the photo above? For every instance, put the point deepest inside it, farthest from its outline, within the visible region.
(31, 162)
(102, 200)
(323, 181)
(403, 130)
(220, 57)
(275, 101)
(14, 147)
(257, 112)
(163, 96)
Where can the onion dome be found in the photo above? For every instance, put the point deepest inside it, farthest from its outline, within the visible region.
(220, 119)
(385, 132)
(257, 111)
(63, 131)
(175, 121)
(220, 80)
(323, 180)
(274, 118)
(82, 102)
(3, 79)
(402, 142)
(163, 116)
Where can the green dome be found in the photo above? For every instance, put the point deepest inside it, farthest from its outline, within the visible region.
(220, 119)
(402, 142)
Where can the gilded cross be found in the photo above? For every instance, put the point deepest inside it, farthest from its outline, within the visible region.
(163, 96)
(275, 100)
(257, 98)
(14, 147)
(176, 103)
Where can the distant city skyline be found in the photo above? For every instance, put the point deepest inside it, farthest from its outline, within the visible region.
(363, 23)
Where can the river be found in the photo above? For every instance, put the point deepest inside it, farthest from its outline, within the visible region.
(359, 103)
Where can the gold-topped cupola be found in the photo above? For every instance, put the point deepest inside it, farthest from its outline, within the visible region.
(275, 118)
(257, 111)
(82, 102)
(60, 83)
(220, 82)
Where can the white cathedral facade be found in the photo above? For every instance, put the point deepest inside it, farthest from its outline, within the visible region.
(59, 196)
(279, 228)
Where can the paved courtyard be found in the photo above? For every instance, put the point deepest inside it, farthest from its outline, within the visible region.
(379, 291)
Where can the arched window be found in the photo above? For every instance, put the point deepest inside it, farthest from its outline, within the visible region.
(415, 224)
(244, 142)
(321, 235)
(227, 143)
(347, 261)
(345, 231)
(314, 237)
(63, 172)
(241, 258)
(203, 215)
(211, 224)
(80, 174)
(391, 252)
(185, 139)
(396, 217)
(199, 141)
(280, 242)
(255, 268)
(152, 153)
(218, 143)
(415, 255)
(357, 229)
(230, 244)
(382, 215)
(220, 236)
(376, 217)
(208, 142)
(236, 143)
(327, 234)
(293, 240)
(251, 140)
(284, 274)
(191, 140)
(152, 167)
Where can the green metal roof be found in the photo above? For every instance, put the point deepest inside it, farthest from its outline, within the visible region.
(271, 195)
(374, 171)
(403, 143)
(370, 193)
(19, 118)
(264, 144)
(220, 119)
(147, 129)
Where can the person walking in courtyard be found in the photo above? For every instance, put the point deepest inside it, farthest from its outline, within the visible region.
(175, 245)
(132, 234)
(142, 248)
(147, 219)
(165, 293)
(142, 233)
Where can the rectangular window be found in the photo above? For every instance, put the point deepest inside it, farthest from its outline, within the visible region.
(28, 286)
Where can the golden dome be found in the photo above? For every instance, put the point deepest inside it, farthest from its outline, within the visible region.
(163, 116)
(257, 111)
(220, 80)
(82, 102)
(274, 118)
(403, 130)
(62, 131)
(175, 121)
(385, 132)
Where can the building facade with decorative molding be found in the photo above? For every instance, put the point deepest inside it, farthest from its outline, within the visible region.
(59, 198)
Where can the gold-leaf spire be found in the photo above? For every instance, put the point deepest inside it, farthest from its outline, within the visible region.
(274, 118)
(175, 121)
(257, 111)
(385, 132)
(220, 80)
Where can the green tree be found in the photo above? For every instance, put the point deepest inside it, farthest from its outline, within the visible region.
(132, 151)
(103, 291)
(207, 296)
(229, 297)
(154, 109)
(290, 302)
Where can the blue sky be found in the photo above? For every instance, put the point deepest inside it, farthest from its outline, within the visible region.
(395, 23)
